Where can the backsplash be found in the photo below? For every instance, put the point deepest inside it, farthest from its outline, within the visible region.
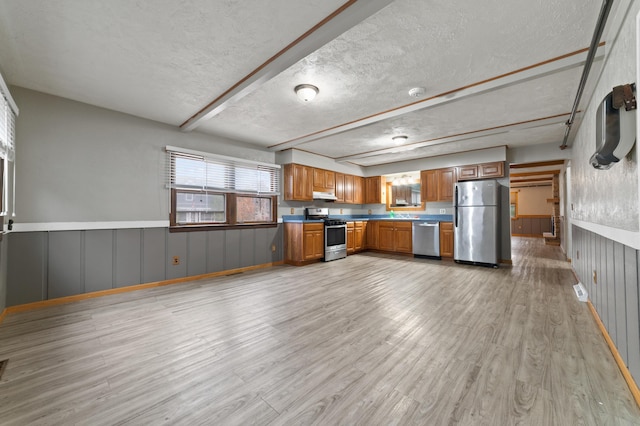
(293, 208)
(386, 215)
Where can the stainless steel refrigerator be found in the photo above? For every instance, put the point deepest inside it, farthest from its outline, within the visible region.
(476, 222)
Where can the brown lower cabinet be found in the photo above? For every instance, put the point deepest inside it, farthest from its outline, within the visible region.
(359, 234)
(351, 243)
(371, 240)
(304, 242)
(446, 239)
(395, 236)
(356, 236)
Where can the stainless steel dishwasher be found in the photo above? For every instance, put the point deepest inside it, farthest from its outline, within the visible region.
(426, 239)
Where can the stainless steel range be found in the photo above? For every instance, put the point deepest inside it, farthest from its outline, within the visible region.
(335, 233)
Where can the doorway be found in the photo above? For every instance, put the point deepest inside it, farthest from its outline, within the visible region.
(535, 200)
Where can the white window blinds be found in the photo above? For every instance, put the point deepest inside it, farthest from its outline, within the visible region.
(8, 113)
(203, 171)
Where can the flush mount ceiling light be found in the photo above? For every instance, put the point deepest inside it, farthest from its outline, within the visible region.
(306, 92)
(417, 92)
(399, 140)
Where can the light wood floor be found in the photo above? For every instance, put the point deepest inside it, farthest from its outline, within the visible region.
(371, 339)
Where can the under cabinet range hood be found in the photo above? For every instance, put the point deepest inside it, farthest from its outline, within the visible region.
(327, 196)
(615, 127)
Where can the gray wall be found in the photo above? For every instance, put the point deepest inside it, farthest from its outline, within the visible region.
(606, 205)
(3, 273)
(614, 294)
(608, 197)
(80, 163)
(47, 265)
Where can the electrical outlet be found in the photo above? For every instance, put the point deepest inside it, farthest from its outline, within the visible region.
(443, 211)
(369, 211)
(292, 210)
(595, 277)
(175, 260)
(273, 247)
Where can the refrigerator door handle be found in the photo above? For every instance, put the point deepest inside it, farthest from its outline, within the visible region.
(456, 208)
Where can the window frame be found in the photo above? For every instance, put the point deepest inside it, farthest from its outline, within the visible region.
(174, 211)
(274, 209)
(233, 183)
(230, 213)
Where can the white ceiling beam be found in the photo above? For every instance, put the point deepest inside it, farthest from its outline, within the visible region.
(347, 16)
(547, 121)
(522, 75)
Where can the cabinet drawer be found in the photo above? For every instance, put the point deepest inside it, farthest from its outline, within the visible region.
(403, 225)
(313, 226)
(448, 226)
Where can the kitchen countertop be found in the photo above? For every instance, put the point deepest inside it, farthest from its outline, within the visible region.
(351, 218)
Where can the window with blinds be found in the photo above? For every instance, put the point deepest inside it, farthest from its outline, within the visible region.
(214, 190)
(8, 113)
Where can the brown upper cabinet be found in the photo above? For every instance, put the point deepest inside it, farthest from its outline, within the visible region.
(489, 170)
(481, 171)
(446, 179)
(374, 190)
(437, 185)
(324, 180)
(429, 185)
(339, 187)
(301, 181)
(468, 172)
(298, 182)
(349, 189)
(358, 190)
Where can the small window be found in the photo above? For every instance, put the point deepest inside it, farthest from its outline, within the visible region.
(254, 209)
(194, 208)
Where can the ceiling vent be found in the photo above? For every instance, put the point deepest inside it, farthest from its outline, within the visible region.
(615, 127)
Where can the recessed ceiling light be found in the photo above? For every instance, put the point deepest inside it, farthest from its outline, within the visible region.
(417, 92)
(400, 139)
(306, 92)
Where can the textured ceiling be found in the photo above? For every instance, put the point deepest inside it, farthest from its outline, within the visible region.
(167, 60)
(160, 59)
